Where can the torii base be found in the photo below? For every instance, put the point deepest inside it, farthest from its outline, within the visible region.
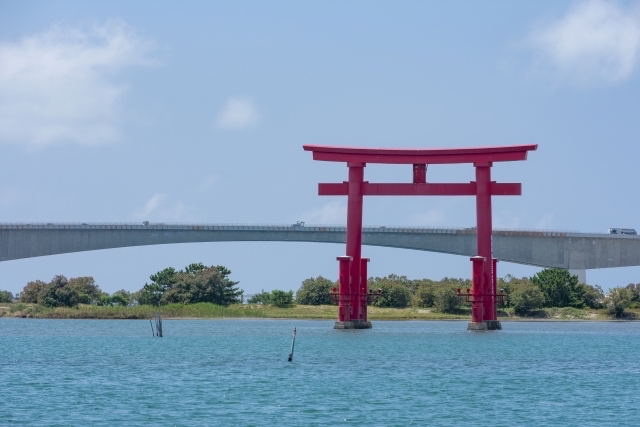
(487, 325)
(353, 324)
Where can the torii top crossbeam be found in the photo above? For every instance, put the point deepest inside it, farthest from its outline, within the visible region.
(429, 156)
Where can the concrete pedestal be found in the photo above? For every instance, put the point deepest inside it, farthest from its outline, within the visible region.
(493, 325)
(353, 324)
(487, 325)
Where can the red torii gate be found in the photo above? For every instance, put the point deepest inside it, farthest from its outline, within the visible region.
(353, 294)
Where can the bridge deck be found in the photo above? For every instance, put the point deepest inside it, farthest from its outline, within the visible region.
(545, 248)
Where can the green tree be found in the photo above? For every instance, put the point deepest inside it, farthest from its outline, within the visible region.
(121, 297)
(593, 297)
(394, 292)
(510, 284)
(617, 300)
(88, 291)
(104, 300)
(411, 285)
(425, 295)
(32, 292)
(165, 279)
(208, 284)
(261, 298)
(150, 294)
(315, 291)
(525, 299)
(161, 282)
(58, 293)
(634, 290)
(560, 288)
(281, 298)
(446, 299)
(6, 297)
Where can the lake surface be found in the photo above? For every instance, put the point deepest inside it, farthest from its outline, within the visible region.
(235, 372)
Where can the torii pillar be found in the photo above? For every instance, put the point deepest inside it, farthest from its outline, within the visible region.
(353, 294)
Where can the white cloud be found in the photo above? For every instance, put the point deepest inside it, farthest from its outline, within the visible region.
(238, 113)
(596, 41)
(59, 85)
(158, 207)
(332, 213)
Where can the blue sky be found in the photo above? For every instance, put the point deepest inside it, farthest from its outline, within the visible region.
(197, 112)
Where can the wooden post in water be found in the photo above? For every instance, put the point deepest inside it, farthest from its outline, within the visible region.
(157, 331)
(158, 325)
(293, 343)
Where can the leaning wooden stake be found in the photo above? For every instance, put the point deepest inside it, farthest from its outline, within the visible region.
(157, 331)
(293, 343)
(158, 325)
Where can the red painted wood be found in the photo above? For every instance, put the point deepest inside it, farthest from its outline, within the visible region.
(344, 291)
(420, 156)
(354, 233)
(469, 189)
(484, 229)
(477, 272)
(353, 275)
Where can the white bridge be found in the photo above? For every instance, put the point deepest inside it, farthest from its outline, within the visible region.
(568, 250)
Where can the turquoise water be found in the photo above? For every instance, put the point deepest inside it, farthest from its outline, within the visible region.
(234, 372)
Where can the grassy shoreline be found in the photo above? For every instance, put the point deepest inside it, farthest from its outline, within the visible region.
(256, 311)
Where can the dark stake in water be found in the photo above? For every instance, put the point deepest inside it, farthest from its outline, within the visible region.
(293, 343)
(157, 331)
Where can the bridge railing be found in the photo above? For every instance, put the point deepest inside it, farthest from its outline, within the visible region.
(268, 227)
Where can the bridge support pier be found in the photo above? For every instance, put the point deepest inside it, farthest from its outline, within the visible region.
(582, 275)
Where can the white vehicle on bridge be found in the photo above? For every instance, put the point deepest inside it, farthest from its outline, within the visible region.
(630, 231)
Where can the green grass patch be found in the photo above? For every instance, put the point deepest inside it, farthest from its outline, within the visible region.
(328, 312)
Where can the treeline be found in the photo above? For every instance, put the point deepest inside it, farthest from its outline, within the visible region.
(63, 292)
(547, 288)
(196, 283)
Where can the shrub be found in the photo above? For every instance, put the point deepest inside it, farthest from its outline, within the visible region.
(281, 298)
(104, 300)
(32, 292)
(121, 297)
(150, 294)
(6, 297)
(446, 299)
(425, 296)
(85, 287)
(393, 294)
(593, 297)
(315, 291)
(526, 298)
(58, 293)
(509, 284)
(261, 298)
(634, 290)
(617, 300)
